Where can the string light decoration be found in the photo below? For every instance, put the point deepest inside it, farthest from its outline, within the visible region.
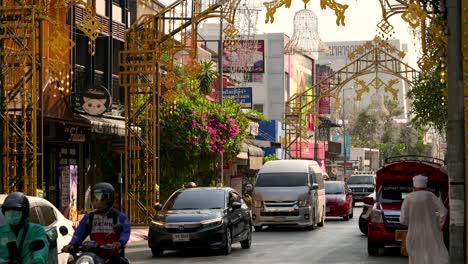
(305, 38)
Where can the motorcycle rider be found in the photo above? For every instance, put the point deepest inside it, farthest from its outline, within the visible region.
(100, 223)
(21, 231)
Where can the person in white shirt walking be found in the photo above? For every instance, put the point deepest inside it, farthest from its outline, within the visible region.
(424, 214)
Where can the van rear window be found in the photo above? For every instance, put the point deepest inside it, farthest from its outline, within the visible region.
(281, 180)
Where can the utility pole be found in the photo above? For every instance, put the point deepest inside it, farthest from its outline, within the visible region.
(344, 136)
(455, 134)
(220, 69)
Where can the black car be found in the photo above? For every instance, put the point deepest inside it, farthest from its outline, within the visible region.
(366, 211)
(211, 218)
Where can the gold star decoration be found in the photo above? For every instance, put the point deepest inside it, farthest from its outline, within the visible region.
(364, 89)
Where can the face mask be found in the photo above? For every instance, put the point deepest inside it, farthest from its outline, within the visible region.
(13, 217)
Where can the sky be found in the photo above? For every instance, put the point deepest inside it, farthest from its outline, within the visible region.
(361, 18)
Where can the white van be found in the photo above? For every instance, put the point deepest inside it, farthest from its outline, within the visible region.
(289, 192)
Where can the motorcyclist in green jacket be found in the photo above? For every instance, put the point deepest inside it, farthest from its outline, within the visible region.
(17, 228)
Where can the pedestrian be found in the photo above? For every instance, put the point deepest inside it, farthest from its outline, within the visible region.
(424, 214)
(21, 232)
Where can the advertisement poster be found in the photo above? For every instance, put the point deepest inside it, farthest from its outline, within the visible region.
(339, 139)
(68, 191)
(244, 56)
(324, 102)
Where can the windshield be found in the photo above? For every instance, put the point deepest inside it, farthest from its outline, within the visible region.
(361, 180)
(395, 194)
(334, 188)
(282, 180)
(196, 199)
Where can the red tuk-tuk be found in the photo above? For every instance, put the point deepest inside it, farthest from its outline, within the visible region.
(393, 183)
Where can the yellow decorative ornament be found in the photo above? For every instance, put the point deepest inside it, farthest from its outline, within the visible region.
(414, 15)
(389, 88)
(90, 26)
(377, 83)
(425, 63)
(170, 81)
(338, 8)
(60, 43)
(385, 26)
(364, 89)
(193, 68)
(231, 31)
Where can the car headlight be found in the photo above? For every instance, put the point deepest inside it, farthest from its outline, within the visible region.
(304, 203)
(376, 217)
(212, 222)
(341, 200)
(258, 204)
(159, 224)
(85, 260)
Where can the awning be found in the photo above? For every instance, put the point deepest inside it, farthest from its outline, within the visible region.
(105, 125)
(252, 154)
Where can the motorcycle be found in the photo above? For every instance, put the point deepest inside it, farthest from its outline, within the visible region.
(90, 253)
(35, 245)
(90, 250)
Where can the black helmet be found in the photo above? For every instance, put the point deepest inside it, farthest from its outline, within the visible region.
(16, 201)
(103, 191)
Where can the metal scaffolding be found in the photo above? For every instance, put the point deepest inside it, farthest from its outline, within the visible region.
(21, 97)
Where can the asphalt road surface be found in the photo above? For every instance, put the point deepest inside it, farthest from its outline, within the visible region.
(338, 242)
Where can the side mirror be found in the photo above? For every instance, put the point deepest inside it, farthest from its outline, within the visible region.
(36, 245)
(368, 200)
(314, 186)
(63, 230)
(248, 187)
(236, 205)
(158, 207)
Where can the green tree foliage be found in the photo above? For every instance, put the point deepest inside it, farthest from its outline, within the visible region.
(194, 132)
(428, 102)
(394, 139)
(206, 77)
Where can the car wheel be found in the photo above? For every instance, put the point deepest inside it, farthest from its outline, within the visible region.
(363, 226)
(351, 215)
(157, 252)
(258, 228)
(346, 217)
(372, 249)
(248, 242)
(226, 250)
(322, 220)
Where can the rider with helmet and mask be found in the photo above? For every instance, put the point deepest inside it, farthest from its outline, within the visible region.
(17, 228)
(99, 225)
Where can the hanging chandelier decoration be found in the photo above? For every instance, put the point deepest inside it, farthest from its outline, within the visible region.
(305, 38)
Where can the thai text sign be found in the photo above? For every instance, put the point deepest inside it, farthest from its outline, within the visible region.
(242, 95)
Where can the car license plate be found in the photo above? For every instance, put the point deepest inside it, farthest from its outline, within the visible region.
(181, 237)
(328, 209)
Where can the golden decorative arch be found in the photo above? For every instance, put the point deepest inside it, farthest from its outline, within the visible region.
(374, 57)
(147, 75)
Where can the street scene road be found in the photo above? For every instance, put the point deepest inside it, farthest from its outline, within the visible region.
(338, 242)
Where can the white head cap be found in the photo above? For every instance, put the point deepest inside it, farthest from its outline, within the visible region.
(420, 181)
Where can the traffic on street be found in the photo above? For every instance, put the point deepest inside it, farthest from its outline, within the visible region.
(338, 242)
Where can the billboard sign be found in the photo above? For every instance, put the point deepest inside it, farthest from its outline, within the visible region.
(339, 138)
(244, 56)
(242, 95)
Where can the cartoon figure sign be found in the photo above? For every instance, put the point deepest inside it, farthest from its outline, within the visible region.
(96, 101)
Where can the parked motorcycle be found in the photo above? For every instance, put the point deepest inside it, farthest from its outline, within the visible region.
(35, 245)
